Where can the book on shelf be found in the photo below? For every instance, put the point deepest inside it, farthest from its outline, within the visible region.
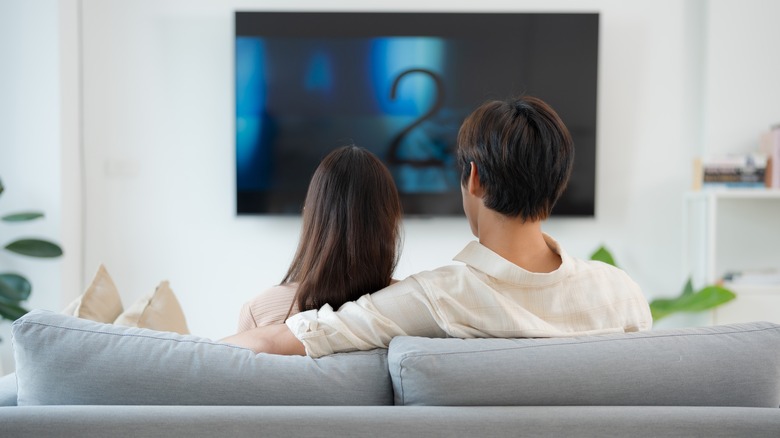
(770, 147)
(738, 171)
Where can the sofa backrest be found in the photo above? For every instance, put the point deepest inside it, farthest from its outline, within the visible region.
(63, 360)
(736, 365)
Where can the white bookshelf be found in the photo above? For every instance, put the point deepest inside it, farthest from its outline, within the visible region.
(733, 229)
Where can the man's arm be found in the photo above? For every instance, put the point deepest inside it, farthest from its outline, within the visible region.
(274, 339)
(370, 322)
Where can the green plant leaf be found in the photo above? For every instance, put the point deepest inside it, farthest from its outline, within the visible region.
(661, 308)
(688, 288)
(35, 248)
(14, 287)
(11, 312)
(21, 217)
(709, 297)
(705, 299)
(603, 255)
(2, 189)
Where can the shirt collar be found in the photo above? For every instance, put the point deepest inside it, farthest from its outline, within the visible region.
(484, 259)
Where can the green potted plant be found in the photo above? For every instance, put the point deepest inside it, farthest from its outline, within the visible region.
(689, 300)
(14, 287)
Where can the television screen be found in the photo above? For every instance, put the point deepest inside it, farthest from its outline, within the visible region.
(399, 85)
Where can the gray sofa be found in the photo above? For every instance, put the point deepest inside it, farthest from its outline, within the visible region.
(80, 378)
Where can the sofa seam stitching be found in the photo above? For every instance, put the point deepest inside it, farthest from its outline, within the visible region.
(408, 355)
(129, 335)
(401, 378)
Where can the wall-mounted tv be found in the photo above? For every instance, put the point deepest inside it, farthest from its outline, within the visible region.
(400, 84)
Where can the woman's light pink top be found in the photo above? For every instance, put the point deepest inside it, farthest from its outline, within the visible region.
(268, 307)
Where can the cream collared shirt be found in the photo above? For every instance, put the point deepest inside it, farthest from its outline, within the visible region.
(488, 297)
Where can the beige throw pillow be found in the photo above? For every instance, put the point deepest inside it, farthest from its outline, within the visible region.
(158, 311)
(101, 301)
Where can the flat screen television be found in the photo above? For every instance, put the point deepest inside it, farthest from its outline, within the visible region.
(399, 85)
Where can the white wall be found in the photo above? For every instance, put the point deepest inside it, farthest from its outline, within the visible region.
(742, 91)
(30, 144)
(157, 135)
(741, 86)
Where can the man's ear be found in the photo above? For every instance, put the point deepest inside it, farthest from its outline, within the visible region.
(472, 184)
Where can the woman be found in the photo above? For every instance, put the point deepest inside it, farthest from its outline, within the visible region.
(349, 244)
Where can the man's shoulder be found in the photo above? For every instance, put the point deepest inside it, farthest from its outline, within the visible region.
(601, 272)
(442, 271)
(444, 274)
(583, 265)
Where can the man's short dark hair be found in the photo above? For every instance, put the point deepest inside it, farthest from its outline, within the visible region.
(523, 152)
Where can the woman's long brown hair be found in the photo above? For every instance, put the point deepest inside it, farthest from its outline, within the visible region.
(350, 236)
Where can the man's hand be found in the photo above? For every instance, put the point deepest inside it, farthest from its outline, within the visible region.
(273, 339)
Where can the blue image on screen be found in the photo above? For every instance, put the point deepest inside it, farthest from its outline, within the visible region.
(298, 98)
(400, 85)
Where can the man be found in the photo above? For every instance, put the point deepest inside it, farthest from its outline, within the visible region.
(515, 159)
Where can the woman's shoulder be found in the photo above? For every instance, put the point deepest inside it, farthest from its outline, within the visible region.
(269, 307)
(277, 292)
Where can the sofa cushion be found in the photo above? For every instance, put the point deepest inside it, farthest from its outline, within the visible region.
(736, 365)
(66, 360)
(388, 421)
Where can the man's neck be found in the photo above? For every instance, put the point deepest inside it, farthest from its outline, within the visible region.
(521, 243)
